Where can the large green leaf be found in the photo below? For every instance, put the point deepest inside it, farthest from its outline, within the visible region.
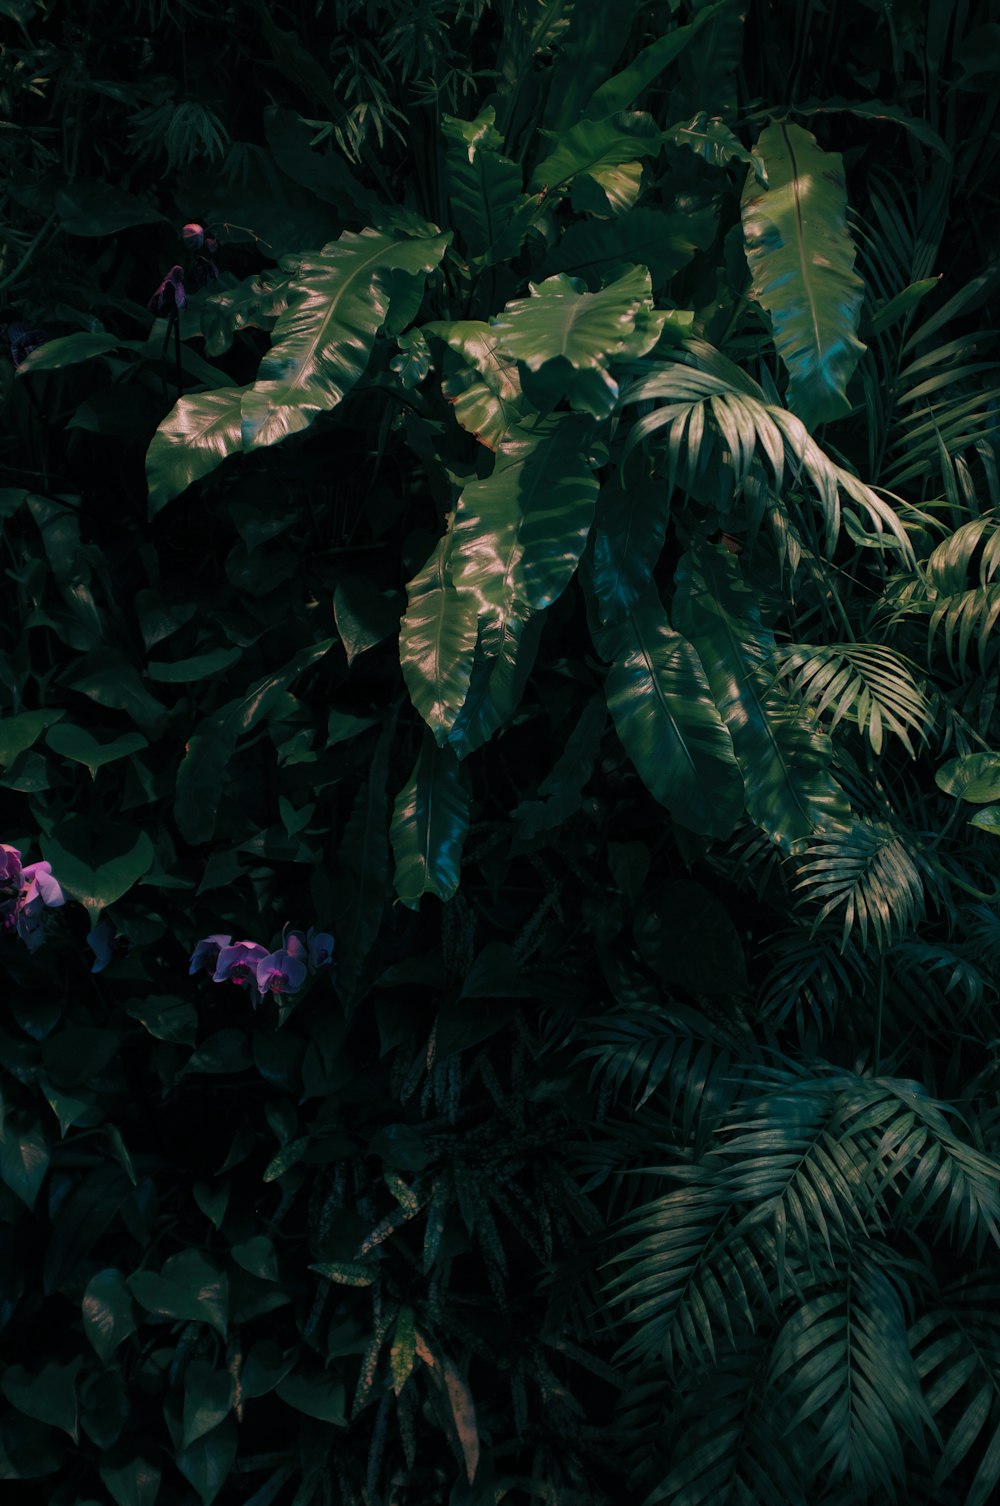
(622, 89)
(338, 299)
(802, 259)
(485, 188)
(974, 777)
(437, 639)
(576, 334)
(601, 149)
(785, 763)
(429, 825)
(519, 533)
(664, 241)
(197, 435)
(482, 385)
(664, 714)
(361, 878)
(631, 524)
(505, 654)
(97, 865)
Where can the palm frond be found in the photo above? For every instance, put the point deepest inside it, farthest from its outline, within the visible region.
(870, 683)
(810, 978)
(868, 876)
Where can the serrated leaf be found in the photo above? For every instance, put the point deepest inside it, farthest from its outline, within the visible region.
(665, 715)
(785, 764)
(108, 1316)
(437, 639)
(801, 257)
(429, 825)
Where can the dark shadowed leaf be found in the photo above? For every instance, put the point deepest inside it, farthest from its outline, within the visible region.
(108, 1314)
(429, 824)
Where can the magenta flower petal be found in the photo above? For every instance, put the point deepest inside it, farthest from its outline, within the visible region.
(238, 963)
(280, 973)
(41, 885)
(10, 865)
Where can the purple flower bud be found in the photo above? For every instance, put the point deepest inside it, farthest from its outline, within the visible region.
(205, 956)
(193, 236)
(170, 294)
(280, 973)
(238, 963)
(320, 949)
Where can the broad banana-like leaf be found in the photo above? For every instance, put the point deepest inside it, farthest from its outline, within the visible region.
(801, 255)
(630, 528)
(338, 299)
(485, 188)
(621, 91)
(256, 301)
(429, 825)
(197, 435)
(596, 146)
(505, 656)
(714, 143)
(785, 764)
(668, 722)
(576, 334)
(484, 387)
(519, 533)
(561, 792)
(607, 190)
(662, 240)
(437, 639)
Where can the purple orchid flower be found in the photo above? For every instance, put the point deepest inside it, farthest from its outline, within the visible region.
(40, 890)
(205, 956)
(238, 963)
(170, 294)
(282, 972)
(320, 944)
(10, 884)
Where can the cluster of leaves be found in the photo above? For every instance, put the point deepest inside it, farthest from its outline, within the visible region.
(559, 554)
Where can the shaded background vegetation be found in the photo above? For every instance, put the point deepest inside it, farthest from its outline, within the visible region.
(641, 1143)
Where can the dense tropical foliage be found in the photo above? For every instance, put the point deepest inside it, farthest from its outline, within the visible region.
(500, 753)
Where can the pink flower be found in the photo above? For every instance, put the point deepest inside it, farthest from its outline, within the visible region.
(238, 963)
(40, 890)
(284, 971)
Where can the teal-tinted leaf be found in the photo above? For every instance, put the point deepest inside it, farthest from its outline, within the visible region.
(974, 777)
(79, 745)
(361, 878)
(207, 1462)
(189, 1289)
(898, 307)
(338, 299)
(20, 732)
(802, 259)
(429, 825)
(987, 820)
(221, 1053)
(482, 385)
(622, 89)
(520, 533)
(607, 190)
(561, 791)
(505, 654)
(667, 720)
(264, 1367)
(201, 776)
(664, 241)
(316, 1395)
(254, 303)
(341, 726)
(213, 1201)
(581, 331)
(714, 142)
(166, 1018)
(68, 350)
(595, 147)
(363, 614)
(437, 639)
(208, 1399)
(785, 763)
(628, 538)
(200, 667)
(875, 109)
(97, 866)
(107, 1311)
(257, 1255)
(485, 188)
(197, 435)
(49, 1395)
(135, 1483)
(691, 940)
(108, 678)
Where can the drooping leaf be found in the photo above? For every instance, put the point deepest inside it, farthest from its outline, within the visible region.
(196, 436)
(79, 745)
(504, 657)
(97, 866)
(664, 714)
(338, 299)
(622, 89)
(608, 146)
(802, 260)
(207, 1462)
(785, 764)
(69, 350)
(24, 1159)
(20, 732)
(429, 825)
(108, 1316)
(189, 1288)
(437, 639)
